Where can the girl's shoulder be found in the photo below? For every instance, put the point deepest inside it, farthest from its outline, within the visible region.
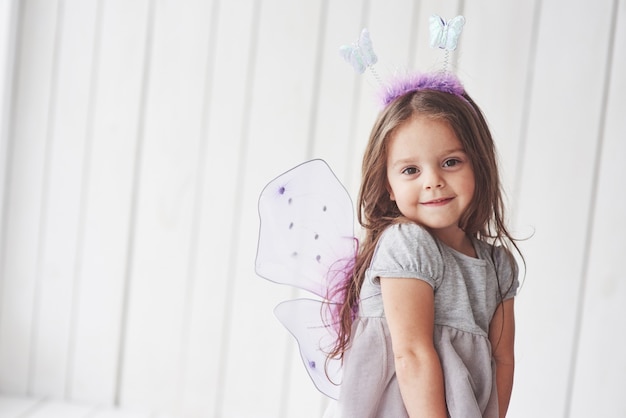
(406, 249)
(411, 238)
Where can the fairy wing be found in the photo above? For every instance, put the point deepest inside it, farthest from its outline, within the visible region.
(307, 228)
(301, 317)
(306, 240)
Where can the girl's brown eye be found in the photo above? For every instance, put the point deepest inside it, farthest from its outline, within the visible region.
(451, 162)
(409, 170)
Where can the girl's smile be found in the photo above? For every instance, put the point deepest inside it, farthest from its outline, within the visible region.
(430, 176)
(438, 202)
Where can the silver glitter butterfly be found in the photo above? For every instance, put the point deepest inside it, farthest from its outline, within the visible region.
(445, 35)
(360, 54)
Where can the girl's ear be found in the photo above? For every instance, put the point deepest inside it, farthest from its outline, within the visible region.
(392, 197)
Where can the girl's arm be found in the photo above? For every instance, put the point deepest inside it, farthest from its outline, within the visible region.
(409, 309)
(502, 337)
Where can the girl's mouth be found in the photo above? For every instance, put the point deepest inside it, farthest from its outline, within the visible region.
(438, 202)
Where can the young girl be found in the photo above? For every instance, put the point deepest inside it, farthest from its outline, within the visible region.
(434, 281)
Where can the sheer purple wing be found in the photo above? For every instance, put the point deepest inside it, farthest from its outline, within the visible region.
(306, 238)
(303, 320)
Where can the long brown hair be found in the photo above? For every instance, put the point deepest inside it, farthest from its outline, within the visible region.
(483, 219)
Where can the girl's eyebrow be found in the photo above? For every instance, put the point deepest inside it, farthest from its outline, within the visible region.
(452, 151)
(403, 161)
(412, 160)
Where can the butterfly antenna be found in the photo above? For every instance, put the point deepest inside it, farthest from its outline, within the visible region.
(446, 59)
(376, 75)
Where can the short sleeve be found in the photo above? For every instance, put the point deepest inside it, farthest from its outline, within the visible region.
(407, 250)
(507, 273)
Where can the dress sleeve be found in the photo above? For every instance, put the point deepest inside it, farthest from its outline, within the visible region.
(507, 271)
(407, 250)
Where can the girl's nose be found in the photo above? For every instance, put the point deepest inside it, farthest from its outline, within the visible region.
(432, 180)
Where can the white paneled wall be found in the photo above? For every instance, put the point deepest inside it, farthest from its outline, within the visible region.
(137, 135)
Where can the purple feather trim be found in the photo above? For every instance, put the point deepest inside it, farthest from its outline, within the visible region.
(402, 84)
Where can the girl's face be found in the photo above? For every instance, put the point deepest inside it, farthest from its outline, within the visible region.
(430, 177)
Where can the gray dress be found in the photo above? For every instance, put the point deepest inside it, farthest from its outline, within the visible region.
(466, 297)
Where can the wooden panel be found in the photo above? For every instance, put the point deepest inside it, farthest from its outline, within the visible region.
(274, 140)
(226, 93)
(601, 365)
(107, 201)
(63, 187)
(167, 170)
(8, 23)
(25, 190)
(554, 198)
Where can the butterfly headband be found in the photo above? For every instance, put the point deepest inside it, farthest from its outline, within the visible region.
(443, 35)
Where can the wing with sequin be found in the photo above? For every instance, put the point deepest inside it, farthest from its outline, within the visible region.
(306, 240)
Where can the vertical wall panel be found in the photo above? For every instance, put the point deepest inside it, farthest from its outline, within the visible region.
(601, 365)
(275, 139)
(8, 23)
(107, 201)
(554, 198)
(165, 195)
(25, 192)
(63, 184)
(226, 103)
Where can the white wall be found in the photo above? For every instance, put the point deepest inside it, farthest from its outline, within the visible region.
(7, 41)
(136, 137)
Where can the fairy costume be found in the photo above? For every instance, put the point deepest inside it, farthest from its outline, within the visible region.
(468, 285)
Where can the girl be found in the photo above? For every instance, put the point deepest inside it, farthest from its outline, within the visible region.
(434, 281)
